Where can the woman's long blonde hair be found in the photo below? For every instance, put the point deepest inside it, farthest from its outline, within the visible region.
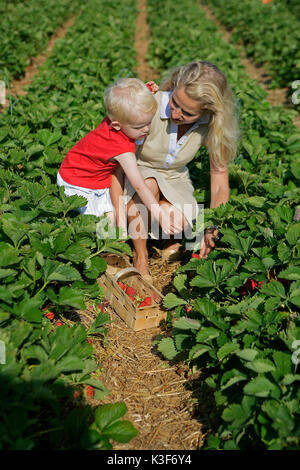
(206, 84)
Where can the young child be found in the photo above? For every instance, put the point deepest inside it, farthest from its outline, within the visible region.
(88, 167)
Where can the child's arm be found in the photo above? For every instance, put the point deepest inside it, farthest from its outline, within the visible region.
(116, 195)
(129, 165)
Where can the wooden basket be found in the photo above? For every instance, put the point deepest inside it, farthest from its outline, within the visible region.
(137, 318)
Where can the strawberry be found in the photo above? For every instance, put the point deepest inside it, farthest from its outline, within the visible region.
(76, 394)
(89, 340)
(121, 285)
(59, 323)
(194, 255)
(49, 315)
(90, 391)
(148, 300)
(131, 298)
(101, 307)
(130, 291)
(143, 304)
(188, 308)
(149, 86)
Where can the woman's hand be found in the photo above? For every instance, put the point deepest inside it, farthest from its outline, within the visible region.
(208, 243)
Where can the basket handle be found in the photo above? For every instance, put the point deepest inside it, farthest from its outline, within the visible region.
(125, 271)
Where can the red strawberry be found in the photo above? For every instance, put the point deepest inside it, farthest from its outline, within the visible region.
(143, 304)
(76, 394)
(149, 86)
(194, 255)
(89, 340)
(130, 291)
(121, 285)
(148, 300)
(90, 391)
(188, 308)
(59, 323)
(49, 315)
(101, 307)
(131, 298)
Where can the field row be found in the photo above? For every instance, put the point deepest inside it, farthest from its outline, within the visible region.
(48, 253)
(237, 313)
(25, 31)
(270, 34)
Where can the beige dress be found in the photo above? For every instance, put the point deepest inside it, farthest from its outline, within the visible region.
(162, 157)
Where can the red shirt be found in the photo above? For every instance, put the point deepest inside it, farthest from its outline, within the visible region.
(87, 163)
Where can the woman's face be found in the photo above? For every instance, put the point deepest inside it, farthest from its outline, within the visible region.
(184, 110)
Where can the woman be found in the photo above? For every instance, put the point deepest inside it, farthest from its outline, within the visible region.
(195, 107)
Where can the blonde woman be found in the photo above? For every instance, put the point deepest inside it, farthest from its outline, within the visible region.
(195, 107)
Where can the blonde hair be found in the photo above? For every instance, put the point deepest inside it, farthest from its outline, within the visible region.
(206, 84)
(127, 98)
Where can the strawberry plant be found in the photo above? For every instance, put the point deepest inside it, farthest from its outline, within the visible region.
(25, 31)
(49, 254)
(269, 33)
(236, 314)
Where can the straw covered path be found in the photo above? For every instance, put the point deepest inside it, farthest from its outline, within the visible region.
(160, 397)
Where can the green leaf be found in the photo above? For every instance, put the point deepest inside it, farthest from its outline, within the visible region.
(227, 349)
(72, 297)
(171, 300)
(292, 273)
(236, 415)
(179, 283)
(56, 271)
(107, 414)
(293, 234)
(8, 255)
(77, 253)
(167, 347)
(255, 265)
(198, 350)
(259, 386)
(247, 354)
(205, 276)
(256, 201)
(45, 372)
(94, 267)
(184, 323)
(122, 431)
(69, 364)
(274, 288)
(260, 366)
(206, 334)
(47, 137)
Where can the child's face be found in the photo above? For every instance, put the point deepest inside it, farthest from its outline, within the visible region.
(140, 128)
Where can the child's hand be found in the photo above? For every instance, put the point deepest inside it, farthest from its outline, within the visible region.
(152, 87)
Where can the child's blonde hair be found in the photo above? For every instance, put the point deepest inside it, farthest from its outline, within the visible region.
(206, 84)
(127, 98)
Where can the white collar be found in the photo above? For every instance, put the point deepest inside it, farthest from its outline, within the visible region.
(165, 112)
